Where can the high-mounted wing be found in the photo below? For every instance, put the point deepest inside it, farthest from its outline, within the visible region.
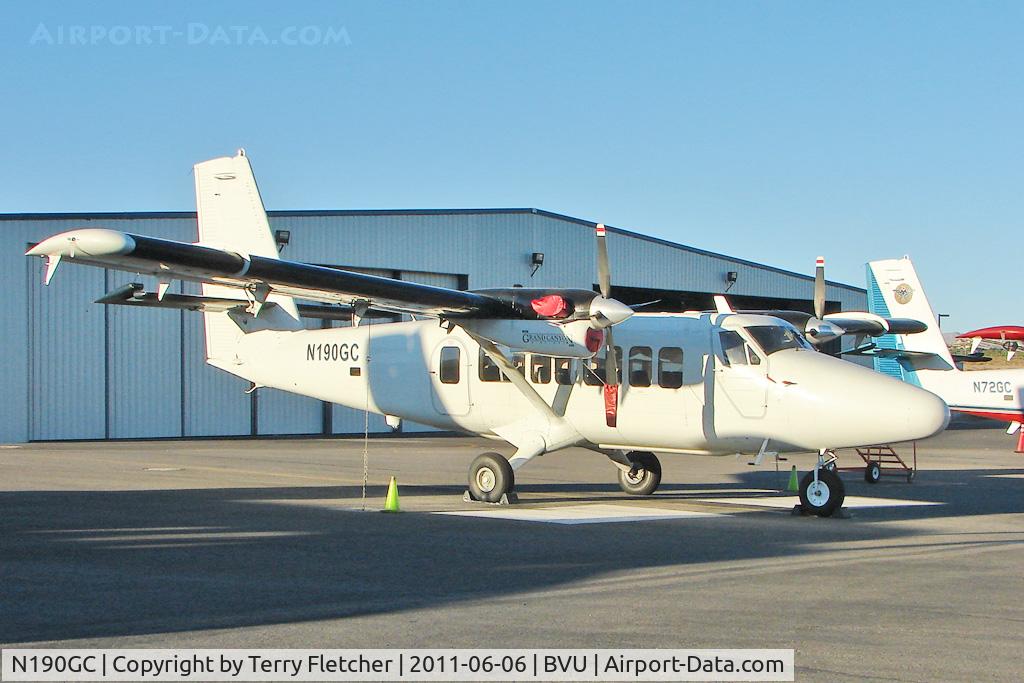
(170, 260)
(237, 262)
(821, 327)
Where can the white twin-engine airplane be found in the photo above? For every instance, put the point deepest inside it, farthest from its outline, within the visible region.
(527, 366)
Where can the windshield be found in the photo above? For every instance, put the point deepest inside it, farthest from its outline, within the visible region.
(774, 338)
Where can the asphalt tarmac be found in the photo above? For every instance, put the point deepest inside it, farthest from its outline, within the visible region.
(244, 543)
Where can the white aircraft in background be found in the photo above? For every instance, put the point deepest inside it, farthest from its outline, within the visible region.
(924, 360)
(528, 366)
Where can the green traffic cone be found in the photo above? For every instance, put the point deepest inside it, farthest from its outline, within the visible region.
(391, 503)
(794, 485)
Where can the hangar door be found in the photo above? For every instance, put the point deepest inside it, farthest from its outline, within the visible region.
(67, 346)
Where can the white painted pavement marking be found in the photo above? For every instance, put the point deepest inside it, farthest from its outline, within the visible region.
(1006, 476)
(581, 514)
(787, 502)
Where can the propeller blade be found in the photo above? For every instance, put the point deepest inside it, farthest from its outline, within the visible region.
(611, 363)
(604, 276)
(606, 312)
(819, 287)
(611, 378)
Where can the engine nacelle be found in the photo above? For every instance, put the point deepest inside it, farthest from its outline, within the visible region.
(569, 340)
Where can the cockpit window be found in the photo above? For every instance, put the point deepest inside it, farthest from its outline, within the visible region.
(733, 348)
(774, 338)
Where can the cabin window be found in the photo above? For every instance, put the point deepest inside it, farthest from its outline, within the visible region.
(733, 348)
(565, 371)
(450, 362)
(670, 367)
(594, 375)
(540, 369)
(640, 366)
(519, 362)
(489, 370)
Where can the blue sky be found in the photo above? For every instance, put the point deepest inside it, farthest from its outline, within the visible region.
(773, 131)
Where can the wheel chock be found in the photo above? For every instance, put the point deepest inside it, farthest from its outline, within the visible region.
(799, 511)
(506, 499)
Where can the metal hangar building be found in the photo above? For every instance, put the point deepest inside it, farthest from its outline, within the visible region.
(80, 370)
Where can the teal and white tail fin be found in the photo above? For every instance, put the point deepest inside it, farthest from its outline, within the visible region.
(894, 291)
(231, 216)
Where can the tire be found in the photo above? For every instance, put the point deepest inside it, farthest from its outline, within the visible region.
(826, 497)
(873, 473)
(490, 477)
(648, 475)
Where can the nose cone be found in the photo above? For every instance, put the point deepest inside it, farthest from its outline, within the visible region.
(838, 404)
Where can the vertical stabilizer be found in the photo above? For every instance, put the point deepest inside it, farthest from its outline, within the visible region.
(231, 216)
(894, 291)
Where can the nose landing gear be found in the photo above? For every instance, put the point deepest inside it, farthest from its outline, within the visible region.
(821, 490)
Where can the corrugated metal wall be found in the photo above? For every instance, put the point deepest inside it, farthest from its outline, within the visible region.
(79, 370)
(67, 364)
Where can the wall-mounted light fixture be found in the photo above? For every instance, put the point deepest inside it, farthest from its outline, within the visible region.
(730, 279)
(536, 260)
(282, 238)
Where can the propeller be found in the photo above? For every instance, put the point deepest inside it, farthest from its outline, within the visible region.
(605, 313)
(819, 288)
(817, 329)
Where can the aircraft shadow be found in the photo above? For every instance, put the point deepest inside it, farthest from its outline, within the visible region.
(111, 563)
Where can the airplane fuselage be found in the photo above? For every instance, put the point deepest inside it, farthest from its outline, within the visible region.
(995, 394)
(691, 383)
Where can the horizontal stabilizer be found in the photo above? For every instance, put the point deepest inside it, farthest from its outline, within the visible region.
(134, 295)
(904, 354)
(971, 358)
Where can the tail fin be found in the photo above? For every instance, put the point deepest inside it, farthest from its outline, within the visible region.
(894, 291)
(231, 216)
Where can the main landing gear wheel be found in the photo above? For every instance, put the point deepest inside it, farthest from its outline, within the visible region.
(645, 475)
(872, 473)
(490, 477)
(823, 497)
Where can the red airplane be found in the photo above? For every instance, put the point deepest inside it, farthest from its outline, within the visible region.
(1009, 337)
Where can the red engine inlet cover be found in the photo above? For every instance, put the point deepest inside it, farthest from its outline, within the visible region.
(551, 306)
(594, 339)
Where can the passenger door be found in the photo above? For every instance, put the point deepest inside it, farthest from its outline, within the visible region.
(449, 376)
